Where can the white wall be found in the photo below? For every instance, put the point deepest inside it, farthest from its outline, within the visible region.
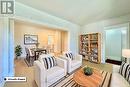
(1, 52)
(6, 49)
(100, 27)
(26, 13)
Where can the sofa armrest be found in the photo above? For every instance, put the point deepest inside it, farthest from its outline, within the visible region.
(64, 57)
(115, 68)
(118, 80)
(62, 63)
(40, 74)
(68, 62)
(78, 57)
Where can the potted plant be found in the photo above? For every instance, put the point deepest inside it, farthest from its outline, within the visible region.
(88, 71)
(18, 51)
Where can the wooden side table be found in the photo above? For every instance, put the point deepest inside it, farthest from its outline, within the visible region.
(93, 80)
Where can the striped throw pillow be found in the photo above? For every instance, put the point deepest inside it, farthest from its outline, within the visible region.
(124, 69)
(69, 55)
(49, 62)
(128, 74)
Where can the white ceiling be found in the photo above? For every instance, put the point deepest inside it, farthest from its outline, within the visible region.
(81, 11)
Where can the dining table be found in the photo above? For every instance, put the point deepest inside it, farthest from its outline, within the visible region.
(37, 52)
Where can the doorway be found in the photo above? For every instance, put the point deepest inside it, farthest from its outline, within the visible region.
(116, 39)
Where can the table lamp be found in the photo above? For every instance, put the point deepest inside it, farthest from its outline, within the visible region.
(126, 54)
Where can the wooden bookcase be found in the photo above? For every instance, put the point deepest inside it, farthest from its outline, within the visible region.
(90, 47)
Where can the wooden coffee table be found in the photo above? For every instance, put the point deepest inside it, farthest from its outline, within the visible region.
(93, 80)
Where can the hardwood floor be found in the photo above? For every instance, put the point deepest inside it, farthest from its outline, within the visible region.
(21, 69)
(106, 67)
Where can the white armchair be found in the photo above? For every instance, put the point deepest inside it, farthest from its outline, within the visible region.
(72, 63)
(117, 79)
(46, 77)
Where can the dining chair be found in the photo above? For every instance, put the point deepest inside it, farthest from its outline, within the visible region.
(29, 56)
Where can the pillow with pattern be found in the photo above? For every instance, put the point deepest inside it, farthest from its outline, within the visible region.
(125, 71)
(69, 55)
(49, 62)
(128, 74)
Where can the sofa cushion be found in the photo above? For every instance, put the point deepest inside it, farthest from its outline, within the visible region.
(118, 79)
(75, 63)
(49, 62)
(69, 55)
(124, 69)
(128, 75)
(54, 72)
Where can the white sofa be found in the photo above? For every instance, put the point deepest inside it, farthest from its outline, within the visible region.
(72, 64)
(46, 77)
(117, 79)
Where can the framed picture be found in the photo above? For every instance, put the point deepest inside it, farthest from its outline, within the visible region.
(30, 39)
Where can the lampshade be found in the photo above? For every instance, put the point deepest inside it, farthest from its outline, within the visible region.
(126, 53)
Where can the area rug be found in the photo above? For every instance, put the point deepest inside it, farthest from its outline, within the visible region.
(69, 82)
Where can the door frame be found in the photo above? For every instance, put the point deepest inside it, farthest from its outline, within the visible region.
(116, 27)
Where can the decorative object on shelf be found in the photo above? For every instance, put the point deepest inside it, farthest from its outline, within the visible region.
(90, 47)
(88, 71)
(126, 54)
(95, 50)
(18, 51)
(30, 39)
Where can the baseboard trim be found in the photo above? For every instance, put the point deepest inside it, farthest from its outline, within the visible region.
(113, 61)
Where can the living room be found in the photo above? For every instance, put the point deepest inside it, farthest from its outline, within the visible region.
(96, 17)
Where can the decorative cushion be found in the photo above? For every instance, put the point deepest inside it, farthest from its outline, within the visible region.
(49, 62)
(128, 75)
(124, 69)
(69, 55)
